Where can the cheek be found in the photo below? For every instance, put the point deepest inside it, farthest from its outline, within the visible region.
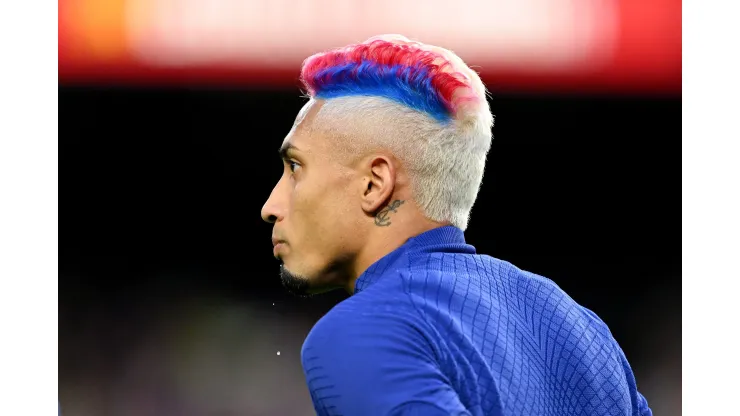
(339, 216)
(321, 209)
(306, 201)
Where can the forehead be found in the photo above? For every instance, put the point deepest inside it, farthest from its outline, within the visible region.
(301, 131)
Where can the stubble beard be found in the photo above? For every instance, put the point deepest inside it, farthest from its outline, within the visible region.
(294, 284)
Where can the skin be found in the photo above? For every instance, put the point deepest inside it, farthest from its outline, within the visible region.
(334, 216)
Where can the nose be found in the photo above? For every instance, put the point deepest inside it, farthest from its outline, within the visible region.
(272, 211)
(272, 219)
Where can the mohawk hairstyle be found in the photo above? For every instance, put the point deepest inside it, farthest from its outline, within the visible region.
(410, 73)
(421, 102)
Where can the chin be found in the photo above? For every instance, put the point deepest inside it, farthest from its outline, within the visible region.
(303, 284)
(295, 283)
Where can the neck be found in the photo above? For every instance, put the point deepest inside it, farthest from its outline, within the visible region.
(383, 240)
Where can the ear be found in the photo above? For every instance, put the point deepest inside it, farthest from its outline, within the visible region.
(379, 184)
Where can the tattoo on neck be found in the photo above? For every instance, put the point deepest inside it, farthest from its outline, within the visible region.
(381, 218)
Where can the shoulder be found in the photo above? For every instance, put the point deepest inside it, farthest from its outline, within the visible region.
(365, 315)
(369, 325)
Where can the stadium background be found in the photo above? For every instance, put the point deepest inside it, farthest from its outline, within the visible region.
(171, 114)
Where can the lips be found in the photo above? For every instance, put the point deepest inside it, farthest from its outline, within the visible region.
(277, 246)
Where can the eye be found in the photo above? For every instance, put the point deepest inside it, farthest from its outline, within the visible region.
(293, 166)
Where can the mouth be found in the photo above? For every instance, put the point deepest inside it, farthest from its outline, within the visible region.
(276, 246)
(276, 250)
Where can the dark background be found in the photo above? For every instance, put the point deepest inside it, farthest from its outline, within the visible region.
(170, 302)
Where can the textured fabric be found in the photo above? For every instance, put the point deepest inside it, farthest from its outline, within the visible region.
(435, 329)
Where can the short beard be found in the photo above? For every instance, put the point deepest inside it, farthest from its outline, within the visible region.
(295, 285)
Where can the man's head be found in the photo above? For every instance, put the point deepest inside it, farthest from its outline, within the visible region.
(392, 142)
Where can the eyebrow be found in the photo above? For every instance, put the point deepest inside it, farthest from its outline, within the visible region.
(284, 149)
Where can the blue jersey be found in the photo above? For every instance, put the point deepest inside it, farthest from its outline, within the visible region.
(435, 329)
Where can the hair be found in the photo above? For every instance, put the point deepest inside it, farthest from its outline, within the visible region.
(422, 103)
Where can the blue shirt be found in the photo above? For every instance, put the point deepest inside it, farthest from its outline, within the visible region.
(435, 329)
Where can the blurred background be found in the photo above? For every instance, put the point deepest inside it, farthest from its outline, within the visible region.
(171, 112)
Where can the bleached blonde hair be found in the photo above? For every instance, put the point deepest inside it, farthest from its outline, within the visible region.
(445, 157)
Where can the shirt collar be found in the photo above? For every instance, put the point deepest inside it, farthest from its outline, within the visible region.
(445, 239)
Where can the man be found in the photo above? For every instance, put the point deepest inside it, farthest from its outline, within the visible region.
(381, 170)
